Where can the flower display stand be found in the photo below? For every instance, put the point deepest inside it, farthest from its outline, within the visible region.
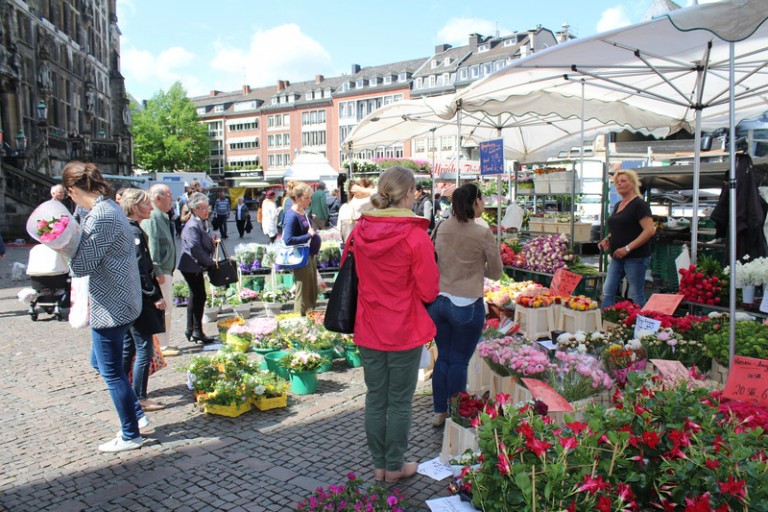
(210, 314)
(479, 375)
(509, 386)
(243, 310)
(572, 320)
(264, 403)
(535, 323)
(562, 183)
(719, 372)
(457, 440)
(231, 411)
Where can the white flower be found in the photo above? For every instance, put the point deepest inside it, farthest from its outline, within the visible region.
(566, 336)
(259, 390)
(634, 344)
(580, 336)
(582, 348)
(643, 334)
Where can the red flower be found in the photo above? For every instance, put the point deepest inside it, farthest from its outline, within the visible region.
(651, 439)
(593, 485)
(625, 492)
(569, 443)
(502, 399)
(503, 464)
(604, 504)
(525, 429)
(577, 427)
(698, 504)
(538, 447)
(733, 487)
(712, 463)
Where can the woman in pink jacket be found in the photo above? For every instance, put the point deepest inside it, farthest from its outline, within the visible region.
(398, 278)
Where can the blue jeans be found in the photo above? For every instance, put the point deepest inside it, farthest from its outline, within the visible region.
(107, 359)
(458, 331)
(137, 344)
(634, 269)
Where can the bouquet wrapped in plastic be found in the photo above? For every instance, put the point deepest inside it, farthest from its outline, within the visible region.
(53, 225)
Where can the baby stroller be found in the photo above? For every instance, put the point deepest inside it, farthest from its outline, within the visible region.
(49, 273)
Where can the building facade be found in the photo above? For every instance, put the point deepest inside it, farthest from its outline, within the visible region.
(62, 96)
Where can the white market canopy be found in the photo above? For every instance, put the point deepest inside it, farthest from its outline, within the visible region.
(310, 167)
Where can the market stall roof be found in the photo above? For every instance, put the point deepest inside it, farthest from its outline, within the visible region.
(310, 167)
(680, 177)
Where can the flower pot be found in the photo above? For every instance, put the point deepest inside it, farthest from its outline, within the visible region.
(303, 383)
(232, 410)
(328, 354)
(243, 310)
(352, 356)
(210, 314)
(264, 403)
(273, 308)
(748, 294)
(274, 365)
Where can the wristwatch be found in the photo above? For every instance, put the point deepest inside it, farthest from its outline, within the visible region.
(628, 248)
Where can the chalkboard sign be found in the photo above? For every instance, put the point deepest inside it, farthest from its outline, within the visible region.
(492, 157)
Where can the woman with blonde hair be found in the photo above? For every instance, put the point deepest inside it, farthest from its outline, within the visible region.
(298, 230)
(630, 228)
(106, 255)
(397, 276)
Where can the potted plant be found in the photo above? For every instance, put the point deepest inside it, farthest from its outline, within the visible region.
(213, 302)
(239, 337)
(202, 374)
(620, 359)
(228, 398)
(274, 299)
(302, 369)
(224, 325)
(268, 390)
(353, 497)
(262, 328)
(180, 292)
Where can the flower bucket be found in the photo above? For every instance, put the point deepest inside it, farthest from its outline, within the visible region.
(243, 310)
(352, 356)
(264, 403)
(303, 383)
(274, 365)
(210, 315)
(328, 354)
(273, 308)
(232, 410)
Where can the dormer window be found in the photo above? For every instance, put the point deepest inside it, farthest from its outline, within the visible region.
(509, 42)
(447, 61)
(373, 81)
(201, 111)
(218, 108)
(274, 101)
(387, 80)
(345, 87)
(308, 95)
(402, 77)
(418, 83)
(434, 64)
(360, 84)
(483, 48)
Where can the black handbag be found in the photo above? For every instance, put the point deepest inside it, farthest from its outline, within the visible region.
(342, 304)
(248, 225)
(224, 271)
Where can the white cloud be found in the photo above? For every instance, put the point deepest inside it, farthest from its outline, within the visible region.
(457, 30)
(148, 73)
(282, 52)
(614, 17)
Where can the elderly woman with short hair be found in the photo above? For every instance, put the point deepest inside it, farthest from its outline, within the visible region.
(197, 246)
(138, 340)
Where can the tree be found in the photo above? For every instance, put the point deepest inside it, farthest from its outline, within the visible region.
(167, 134)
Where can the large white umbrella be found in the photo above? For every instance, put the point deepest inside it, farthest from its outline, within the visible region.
(695, 65)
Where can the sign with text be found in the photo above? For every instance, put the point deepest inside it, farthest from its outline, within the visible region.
(547, 394)
(748, 380)
(672, 371)
(492, 157)
(564, 282)
(666, 303)
(647, 325)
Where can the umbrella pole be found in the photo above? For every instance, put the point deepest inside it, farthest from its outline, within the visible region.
(696, 178)
(732, 207)
(604, 197)
(573, 174)
(458, 144)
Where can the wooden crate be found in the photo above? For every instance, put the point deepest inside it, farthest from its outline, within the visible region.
(457, 440)
(479, 375)
(509, 386)
(571, 320)
(535, 323)
(719, 372)
(579, 406)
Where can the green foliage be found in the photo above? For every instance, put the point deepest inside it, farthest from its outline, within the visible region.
(180, 289)
(751, 341)
(167, 134)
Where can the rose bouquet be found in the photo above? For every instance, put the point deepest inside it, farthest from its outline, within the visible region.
(465, 407)
(510, 358)
(578, 376)
(580, 303)
(619, 360)
(582, 342)
(668, 344)
(53, 225)
(536, 298)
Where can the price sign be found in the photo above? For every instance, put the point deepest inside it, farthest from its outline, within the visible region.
(663, 303)
(648, 325)
(748, 380)
(672, 371)
(564, 282)
(546, 393)
(492, 157)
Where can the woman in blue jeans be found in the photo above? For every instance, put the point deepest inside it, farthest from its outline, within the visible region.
(106, 256)
(466, 253)
(630, 228)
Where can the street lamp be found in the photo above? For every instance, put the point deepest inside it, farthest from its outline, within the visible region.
(42, 113)
(21, 141)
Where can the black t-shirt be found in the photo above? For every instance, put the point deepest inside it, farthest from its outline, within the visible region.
(624, 227)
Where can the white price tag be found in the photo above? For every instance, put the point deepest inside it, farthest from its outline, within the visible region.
(646, 324)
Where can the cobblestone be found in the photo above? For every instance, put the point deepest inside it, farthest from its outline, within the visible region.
(56, 411)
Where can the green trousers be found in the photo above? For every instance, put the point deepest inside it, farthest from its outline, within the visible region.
(391, 380)
(305, 279)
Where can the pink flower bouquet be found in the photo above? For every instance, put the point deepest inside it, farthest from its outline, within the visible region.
(52, 225)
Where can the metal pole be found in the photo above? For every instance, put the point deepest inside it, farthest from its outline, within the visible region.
(500, 195)
(458, 144)
(432, 175)
(696, 179)
(573, 174)
(732, 206)
(604, 208)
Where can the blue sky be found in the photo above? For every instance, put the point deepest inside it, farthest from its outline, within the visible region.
(223, 45)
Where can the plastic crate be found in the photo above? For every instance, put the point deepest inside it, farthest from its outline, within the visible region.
(663, 263)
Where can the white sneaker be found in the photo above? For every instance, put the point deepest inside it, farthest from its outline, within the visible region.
(145, 426)
(143, 422)
(119, 444)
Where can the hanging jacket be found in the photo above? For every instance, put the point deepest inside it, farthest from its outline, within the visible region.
(398, 278)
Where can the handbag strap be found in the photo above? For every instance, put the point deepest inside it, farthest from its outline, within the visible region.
(216, 252)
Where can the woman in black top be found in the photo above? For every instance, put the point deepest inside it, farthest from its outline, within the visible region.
(630, 227)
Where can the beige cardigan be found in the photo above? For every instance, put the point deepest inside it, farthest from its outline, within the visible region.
(466, 252)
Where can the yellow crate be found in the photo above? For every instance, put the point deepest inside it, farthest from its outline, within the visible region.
(457, 440)
(232, 410)
(479, 375)
(264, 403)
(571, 320)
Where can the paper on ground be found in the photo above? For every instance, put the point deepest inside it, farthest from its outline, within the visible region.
(435, 469)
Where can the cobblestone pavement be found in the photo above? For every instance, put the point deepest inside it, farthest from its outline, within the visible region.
(56, 410)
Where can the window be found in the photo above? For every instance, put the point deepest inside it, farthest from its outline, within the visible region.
(402, 77)
(483, 48)
(498, 65)
(308, 95)
(237, 146)
(218, 108)
(345, 87)
(510, 42)
(360, 84)
(420, 145)
(446, 78)
(315, 138)
(417, 83)
(447, 61)
(373, 81)
(286, 120)
(432, 80)
(446, 143)
(474, 71)
(463, 74)
(244, 105)
(487, 68)
(241, 127)
(434, 64)
(201, 111)
(387, 79)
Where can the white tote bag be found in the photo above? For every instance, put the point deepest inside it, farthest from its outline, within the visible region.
(80, 309)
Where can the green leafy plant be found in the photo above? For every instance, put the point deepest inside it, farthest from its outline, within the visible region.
(751, 341)
(180, 289)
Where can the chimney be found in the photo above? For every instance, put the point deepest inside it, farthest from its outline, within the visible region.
(246, 90)
(531, 40)
(281, 85)
(355, 68)
(440, 48)
(319, 79)
(214, 92)
(474, 40)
